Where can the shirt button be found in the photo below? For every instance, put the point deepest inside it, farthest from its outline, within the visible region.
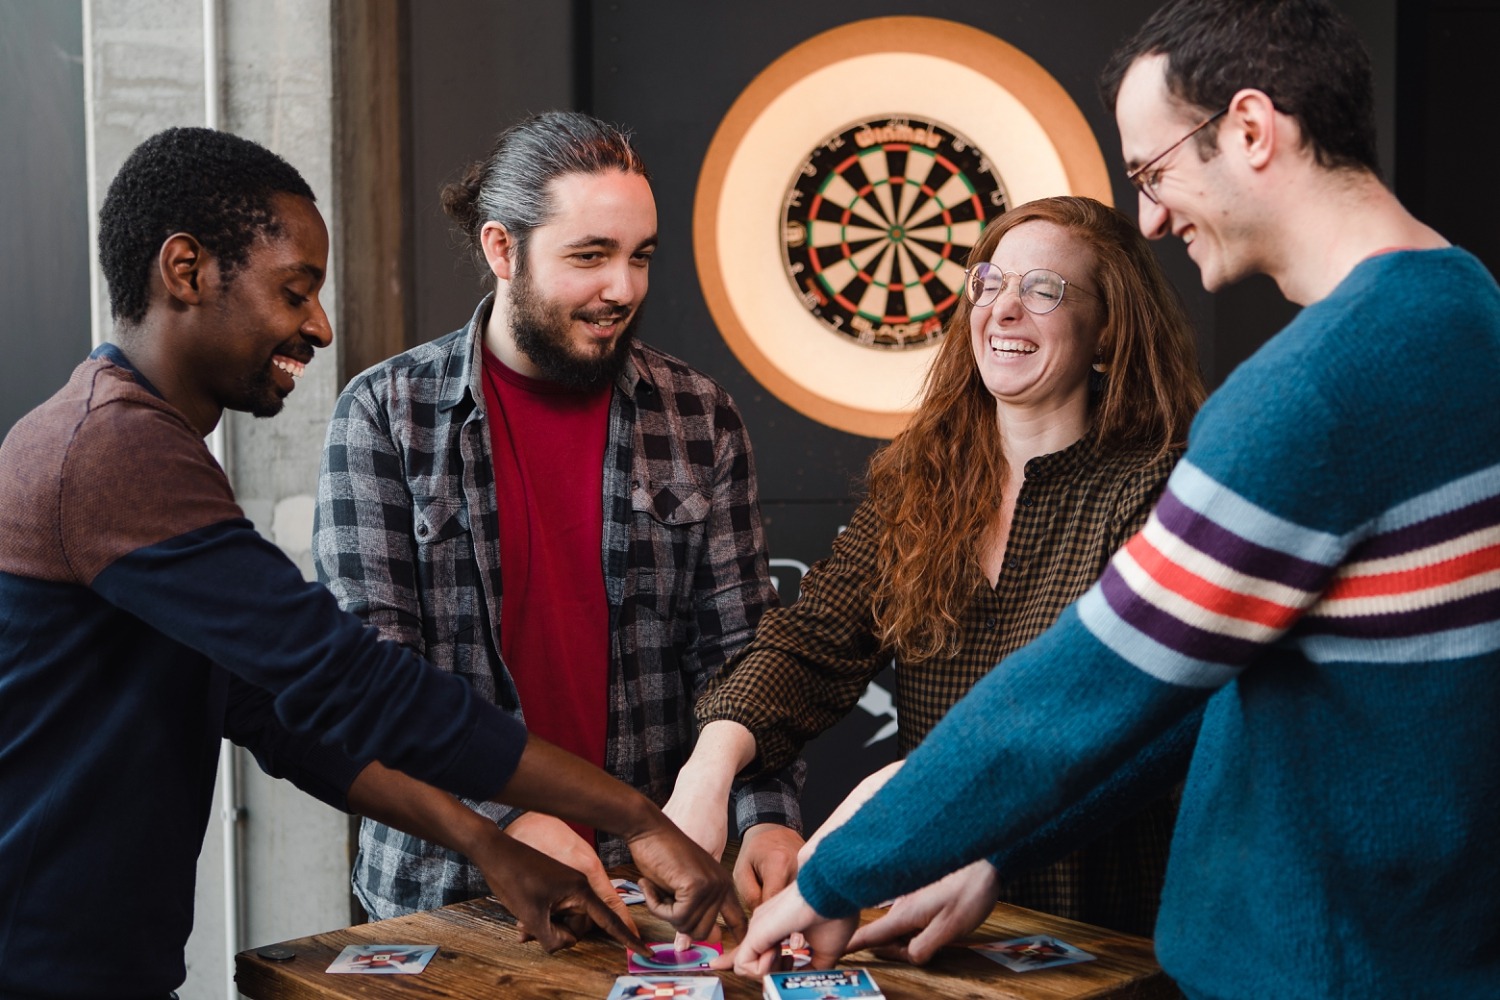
(1012, 564)
(421, 529)
(990, 624)
(1026, 501)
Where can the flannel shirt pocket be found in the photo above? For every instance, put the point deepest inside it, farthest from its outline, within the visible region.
(671, 503)
(437, 519)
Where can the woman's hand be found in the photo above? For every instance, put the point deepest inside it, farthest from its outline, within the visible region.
(777, 920)
(921, 922)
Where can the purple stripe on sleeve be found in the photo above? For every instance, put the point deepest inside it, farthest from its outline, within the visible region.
(1241, 554)
(1170, 631)
(1433, 531)
(1476, 609)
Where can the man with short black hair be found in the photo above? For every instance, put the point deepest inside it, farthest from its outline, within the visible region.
(142, 618)
(1323, 572)
(549, 508)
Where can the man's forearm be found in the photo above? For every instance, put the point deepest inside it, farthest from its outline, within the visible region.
(419, 809)
(551, 780)
(547, 779)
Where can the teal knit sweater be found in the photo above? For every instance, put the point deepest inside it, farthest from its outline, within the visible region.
(1324, 572)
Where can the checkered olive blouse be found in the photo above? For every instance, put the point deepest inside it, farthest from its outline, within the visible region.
(809, 663)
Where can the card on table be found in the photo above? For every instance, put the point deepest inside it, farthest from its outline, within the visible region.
(818, 985)
(384, 959)
(1027, 954)
(667, 988)
(794, 955)
(629, 891)
(665, 957)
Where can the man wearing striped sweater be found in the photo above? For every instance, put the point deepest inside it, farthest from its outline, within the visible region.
(1322, 575)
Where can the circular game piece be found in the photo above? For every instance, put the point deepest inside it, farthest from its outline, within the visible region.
(667, 958)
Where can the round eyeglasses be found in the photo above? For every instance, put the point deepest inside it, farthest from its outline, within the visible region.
(1147, 176)
(1041, 289)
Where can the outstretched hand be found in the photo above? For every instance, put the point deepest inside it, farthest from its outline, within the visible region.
(554, 838)
(767, 862)
(921, 922)
(699, 808)
(777, 920)
(682, 883)
(554, 904)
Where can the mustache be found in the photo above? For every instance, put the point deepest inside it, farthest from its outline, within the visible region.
(601, 316)
(299, 351)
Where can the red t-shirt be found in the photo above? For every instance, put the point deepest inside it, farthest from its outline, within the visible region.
(548, 444)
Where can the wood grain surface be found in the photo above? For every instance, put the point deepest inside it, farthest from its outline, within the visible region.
(480, 956)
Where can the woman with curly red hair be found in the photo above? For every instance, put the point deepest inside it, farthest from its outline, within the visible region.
(1056, 407)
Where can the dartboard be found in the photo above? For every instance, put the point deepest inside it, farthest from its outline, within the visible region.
(843, 190)
(878, 222)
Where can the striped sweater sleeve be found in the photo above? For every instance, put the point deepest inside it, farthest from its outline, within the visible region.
(1211, 579)
(1180, 611)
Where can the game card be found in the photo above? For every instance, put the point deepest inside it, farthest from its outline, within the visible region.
(795, 954)
(1027, 954)
(665, 957)
(629, 891)
(828, 984)
(667, 988)
(384, 959)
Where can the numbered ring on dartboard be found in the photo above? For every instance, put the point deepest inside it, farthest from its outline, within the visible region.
(878, 223)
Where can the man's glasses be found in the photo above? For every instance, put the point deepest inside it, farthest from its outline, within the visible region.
(1041, 290)
(1147, 180)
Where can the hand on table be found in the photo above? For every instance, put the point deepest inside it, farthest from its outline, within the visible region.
(775, 921)
(921, 922)
(554, 838)
(767, 863)
(553, 903)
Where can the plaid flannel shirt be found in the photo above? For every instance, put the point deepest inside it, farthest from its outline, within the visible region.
(406, 536)
(810, 662)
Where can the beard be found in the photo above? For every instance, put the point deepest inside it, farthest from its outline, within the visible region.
(257, 393)
(540, 327)
(259, 396)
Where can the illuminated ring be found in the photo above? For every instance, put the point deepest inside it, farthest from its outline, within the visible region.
(883, 67)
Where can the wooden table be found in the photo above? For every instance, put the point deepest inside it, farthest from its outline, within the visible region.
(480, 955)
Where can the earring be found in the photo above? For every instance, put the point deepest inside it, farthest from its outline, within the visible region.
(1099, 364)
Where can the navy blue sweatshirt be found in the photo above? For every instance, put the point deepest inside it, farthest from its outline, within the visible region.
(142, 618)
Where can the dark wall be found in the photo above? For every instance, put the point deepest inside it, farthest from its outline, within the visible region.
(1448, 95)
(475, 67)
(44, 238)
(670, 69)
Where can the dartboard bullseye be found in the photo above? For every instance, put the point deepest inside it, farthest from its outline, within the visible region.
(878, 222)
